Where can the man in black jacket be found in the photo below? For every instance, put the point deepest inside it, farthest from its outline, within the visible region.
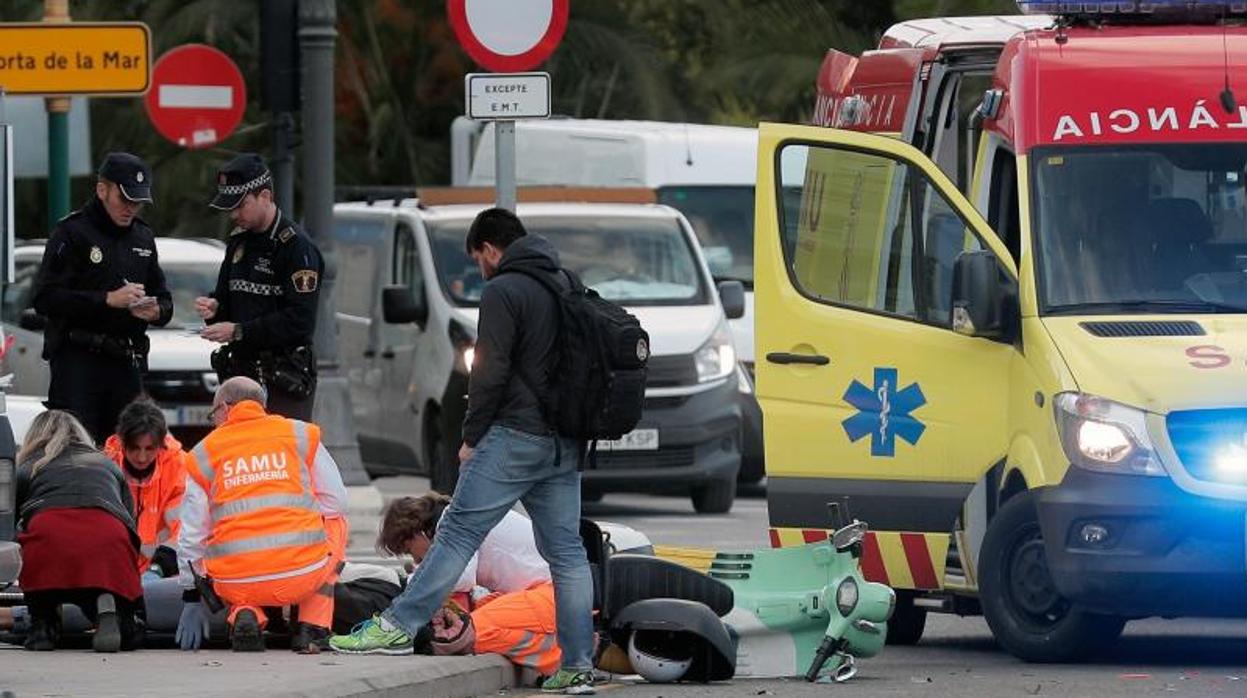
(510, 453)
(264, 305)
(101, 287)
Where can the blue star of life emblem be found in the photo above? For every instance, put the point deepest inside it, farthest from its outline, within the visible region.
(884, 413)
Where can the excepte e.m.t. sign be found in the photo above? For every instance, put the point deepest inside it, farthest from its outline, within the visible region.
(95, 58)
(494, 96)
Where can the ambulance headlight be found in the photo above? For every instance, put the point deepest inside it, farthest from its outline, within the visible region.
(1105, 436)
(717, 358)
(1172, 9)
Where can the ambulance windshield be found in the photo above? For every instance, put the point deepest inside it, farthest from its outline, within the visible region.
(630, 260)
(1142, 229)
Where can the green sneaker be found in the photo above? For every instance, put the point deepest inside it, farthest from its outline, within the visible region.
(570, 682)
(373, 636)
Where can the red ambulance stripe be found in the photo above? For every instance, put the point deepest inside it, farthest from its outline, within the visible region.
(872, 560)
(814, 535)
(919, 557)
(775, 542)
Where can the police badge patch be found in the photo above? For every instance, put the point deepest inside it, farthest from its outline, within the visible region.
(238, 253)
(305, 280)
(97, 255)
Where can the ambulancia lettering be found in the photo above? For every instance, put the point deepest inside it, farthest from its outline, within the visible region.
(1199, 117)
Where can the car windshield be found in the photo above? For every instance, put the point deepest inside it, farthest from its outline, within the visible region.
(722, 217)
(1143, 229)
(186, 282)
(633, 261)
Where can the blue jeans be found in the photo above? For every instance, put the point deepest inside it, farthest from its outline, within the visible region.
(509, 466)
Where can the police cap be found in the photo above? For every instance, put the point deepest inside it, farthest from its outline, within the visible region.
(130, 174)
(239, 177)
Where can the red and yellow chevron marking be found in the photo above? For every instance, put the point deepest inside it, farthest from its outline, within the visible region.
(900, 559)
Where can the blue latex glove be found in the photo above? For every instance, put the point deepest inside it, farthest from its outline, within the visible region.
(150, 576)
(192, 626)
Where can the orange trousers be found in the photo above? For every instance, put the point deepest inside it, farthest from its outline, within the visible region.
(311, 592)
(521, 627)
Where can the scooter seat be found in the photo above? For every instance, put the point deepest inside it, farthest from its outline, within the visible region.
(632, 578)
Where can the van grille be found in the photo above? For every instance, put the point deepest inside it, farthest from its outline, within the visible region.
(1201, 437)
(1145, 328)
(677, 457)
(671, 371)
(180, 387)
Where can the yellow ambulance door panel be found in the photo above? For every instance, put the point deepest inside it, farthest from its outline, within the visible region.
(867, 391)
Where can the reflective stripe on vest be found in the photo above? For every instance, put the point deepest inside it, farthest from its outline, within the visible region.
(147, 550)
(206, 471)
(258, 543)
(265, 501)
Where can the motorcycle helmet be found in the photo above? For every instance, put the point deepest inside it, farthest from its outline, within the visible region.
(660, 656)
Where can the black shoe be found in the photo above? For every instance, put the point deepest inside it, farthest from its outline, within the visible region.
(44, 635)
(310, 639)
(246, 635)
(133, 632)
(422, 643)
(108, 633)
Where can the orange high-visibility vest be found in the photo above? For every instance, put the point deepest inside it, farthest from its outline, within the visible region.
(158, 499)
(256, 471)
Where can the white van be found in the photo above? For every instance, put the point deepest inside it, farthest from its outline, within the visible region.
(404, 261)
(705, 172)
(179, 374)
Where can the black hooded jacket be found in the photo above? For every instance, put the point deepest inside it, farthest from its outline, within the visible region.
(517, 333)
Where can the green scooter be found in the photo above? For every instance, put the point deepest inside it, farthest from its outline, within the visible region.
(786, 598)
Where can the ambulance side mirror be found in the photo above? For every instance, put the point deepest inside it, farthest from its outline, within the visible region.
(984, 297)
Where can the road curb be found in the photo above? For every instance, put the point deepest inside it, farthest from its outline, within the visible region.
(463, 677)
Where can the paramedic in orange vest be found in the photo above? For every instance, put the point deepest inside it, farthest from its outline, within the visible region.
(152, 461)
(264, 519)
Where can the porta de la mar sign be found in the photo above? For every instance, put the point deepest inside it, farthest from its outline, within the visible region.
(91, 58)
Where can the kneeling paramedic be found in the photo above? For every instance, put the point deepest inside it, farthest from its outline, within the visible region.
(263, 523)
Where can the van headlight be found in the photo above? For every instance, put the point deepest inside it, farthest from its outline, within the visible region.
(742, 382)
(1105, 436)
(469, 355)
(717, 358)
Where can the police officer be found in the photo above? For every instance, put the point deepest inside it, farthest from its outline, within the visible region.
(264, 305)
(101, 287)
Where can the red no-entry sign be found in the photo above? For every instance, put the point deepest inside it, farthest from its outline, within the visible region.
(197, 96)
(508, 36)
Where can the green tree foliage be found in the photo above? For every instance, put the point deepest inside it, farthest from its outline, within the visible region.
(399, 79)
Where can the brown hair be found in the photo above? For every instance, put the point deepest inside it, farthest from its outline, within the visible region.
(406, 517)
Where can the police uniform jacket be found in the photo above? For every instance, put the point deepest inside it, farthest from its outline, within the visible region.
(269, 283)
(87, 255)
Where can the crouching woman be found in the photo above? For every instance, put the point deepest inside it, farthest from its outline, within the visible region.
(77, 533)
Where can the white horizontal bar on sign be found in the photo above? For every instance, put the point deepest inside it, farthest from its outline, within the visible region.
(196, 97)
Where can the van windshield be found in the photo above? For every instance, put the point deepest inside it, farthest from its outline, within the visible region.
(722, 217)
(633, 261)
(186, 282)
(1142, 229)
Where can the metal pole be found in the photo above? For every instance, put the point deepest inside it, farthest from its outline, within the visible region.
(57, 12)
(504, 164)
(283, 162)
(333, 399)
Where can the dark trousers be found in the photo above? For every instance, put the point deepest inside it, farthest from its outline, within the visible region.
(287, 406)
(46, 605)
(94, 387)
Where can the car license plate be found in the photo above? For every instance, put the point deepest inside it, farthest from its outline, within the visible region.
(635, 440)
(188, 415)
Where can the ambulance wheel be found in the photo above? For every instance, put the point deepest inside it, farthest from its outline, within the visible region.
(1029, 618)
(715, 497)
(907, 622)
(443, 468)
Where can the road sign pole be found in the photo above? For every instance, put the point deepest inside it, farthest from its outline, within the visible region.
(504, 165)
(283, 162)
(332, 411)
(57, 12)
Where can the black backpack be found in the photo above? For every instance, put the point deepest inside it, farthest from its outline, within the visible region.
(598, 375)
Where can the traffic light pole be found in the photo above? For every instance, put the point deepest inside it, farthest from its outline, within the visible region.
(333, 412)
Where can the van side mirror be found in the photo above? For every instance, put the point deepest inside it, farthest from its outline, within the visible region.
(984, 297)
(732, 294)
(399, 306)
(30, 320)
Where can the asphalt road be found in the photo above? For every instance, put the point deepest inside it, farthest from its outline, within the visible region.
(957, 656)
